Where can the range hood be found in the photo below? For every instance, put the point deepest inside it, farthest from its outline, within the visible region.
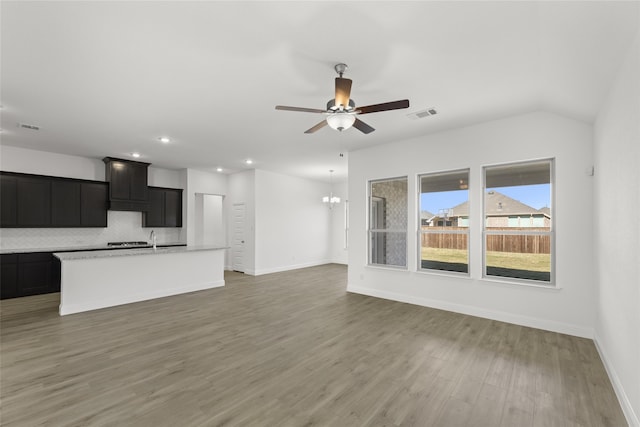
(128, 184)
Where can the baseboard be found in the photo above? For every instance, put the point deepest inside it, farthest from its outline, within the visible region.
(289, 267)
(627, 409)
(532, 322)
(65, 309)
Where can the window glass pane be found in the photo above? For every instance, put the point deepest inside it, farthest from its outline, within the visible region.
(519, 256)
(445, 251)
(444, 221)
(388, 248)
(388, 222)
(517, 212)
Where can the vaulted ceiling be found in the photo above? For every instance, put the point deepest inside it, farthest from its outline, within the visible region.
(110, 78)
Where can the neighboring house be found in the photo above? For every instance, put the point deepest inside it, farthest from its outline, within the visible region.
(426, 218)
(502, 211)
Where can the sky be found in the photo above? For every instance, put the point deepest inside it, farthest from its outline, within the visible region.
(537, 196)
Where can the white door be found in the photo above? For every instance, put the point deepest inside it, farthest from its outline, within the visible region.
(237, 248)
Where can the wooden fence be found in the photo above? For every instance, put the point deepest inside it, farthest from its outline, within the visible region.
(529, 244)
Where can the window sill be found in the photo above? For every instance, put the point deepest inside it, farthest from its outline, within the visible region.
(506, 282)
(450, 274)
(386, 267)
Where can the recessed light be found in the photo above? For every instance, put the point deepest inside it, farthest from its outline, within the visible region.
(164, 139)
(248, 161)
(219, 169)
(136, 155)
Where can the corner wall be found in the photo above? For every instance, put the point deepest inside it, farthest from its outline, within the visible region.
(568, 309)
(199, 182)
(617, 234)
(292, 223)
(339, 241)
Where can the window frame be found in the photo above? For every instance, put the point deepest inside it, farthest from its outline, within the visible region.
(420, 232)
(371, 230)
(551, 284)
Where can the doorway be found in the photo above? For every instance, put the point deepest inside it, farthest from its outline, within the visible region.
(238, 239)
(209, 220)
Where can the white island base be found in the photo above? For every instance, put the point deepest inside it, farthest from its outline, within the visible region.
(99, 279)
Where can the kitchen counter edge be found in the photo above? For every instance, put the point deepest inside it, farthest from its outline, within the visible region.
(82, 248)
(68, 256)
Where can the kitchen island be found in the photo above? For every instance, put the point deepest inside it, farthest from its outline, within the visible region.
(99, 279)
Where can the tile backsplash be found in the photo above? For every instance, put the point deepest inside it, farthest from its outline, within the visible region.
(122, 227)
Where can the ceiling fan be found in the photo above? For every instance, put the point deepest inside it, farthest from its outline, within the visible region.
(341, 111)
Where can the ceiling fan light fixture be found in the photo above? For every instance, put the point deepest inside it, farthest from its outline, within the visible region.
(341, 121)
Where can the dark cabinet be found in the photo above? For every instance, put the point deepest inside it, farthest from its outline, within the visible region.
(138, 185)
(154, 216)
(8, 201)
(173, 208)
(46, 201)
(34, 273)
(8, 276)
(128, 182)
(34, 201)
(29, 274)
(94, 198)
(165, 208)
(65, 203)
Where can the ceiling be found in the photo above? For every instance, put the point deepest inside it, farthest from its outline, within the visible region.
(110, 78)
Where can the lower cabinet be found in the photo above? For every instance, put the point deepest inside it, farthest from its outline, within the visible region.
(8, 276)
(29, 274)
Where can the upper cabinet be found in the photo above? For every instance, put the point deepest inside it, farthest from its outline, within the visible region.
(165, 208)
(65, 203)
(34, 201)
(128, 189)
(94, 198)
(8, 201)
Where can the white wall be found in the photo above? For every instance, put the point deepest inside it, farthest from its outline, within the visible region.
(242, 190)
(569, 309)
(339, 252)
(14, 159)
(160, 177)
(617, 234)
(121, 226)
(292, 223)
(199, 182)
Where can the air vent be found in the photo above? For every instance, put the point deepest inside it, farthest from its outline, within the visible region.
(28, 126)
(422, 114)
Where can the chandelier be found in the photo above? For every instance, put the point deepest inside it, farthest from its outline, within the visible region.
(331, 199)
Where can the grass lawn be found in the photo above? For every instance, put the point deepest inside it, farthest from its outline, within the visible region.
(531, 262)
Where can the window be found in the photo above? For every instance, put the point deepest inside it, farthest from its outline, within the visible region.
(388, 222)
(444, 229)
(518, 239)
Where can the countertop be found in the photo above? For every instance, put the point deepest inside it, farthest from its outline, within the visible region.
(83, 248)
(67, 256)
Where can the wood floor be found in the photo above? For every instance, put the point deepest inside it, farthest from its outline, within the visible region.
(291, 349)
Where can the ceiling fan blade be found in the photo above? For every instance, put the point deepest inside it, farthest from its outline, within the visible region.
(316, 127)
(343, 91)
(362, 126)
(303, 110)
(386, 106)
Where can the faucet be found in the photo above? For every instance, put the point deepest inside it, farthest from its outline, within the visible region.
(152, 236)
